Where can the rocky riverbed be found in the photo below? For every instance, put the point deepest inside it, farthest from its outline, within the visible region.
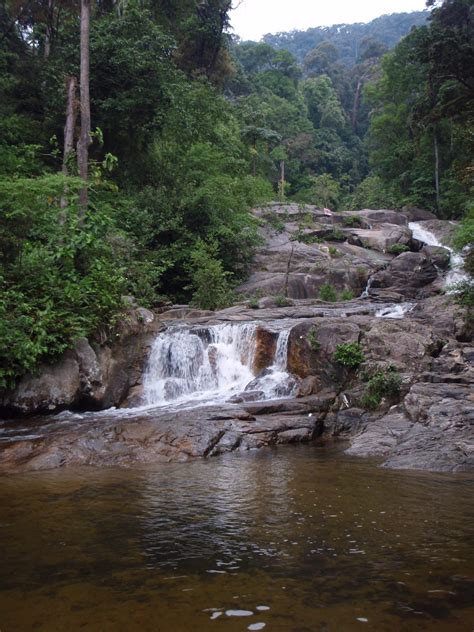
(403, 319)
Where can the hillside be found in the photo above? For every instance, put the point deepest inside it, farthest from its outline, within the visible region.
(387, 29)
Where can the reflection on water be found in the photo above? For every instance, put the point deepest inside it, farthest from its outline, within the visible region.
(299, 539)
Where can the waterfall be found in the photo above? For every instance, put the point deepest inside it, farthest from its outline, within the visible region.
(395, 311)
(456, 274)
(365, 293)
(276, 382)
(210, 364)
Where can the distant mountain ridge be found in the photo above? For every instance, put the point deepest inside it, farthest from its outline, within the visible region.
(386, 29)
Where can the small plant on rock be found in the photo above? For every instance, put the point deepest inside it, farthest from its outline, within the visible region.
(347, 295)
(336, 235)
(397, 249)
(282, 301)
(349, 354)
(351, 221)
(334, 252)
(312, 338)
(381, 384)
(327, 293)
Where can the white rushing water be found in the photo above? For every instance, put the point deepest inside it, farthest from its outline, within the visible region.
(211, 364)
(395, 311)
(456, 273)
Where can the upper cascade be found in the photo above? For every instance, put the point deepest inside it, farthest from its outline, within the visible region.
(456, 273)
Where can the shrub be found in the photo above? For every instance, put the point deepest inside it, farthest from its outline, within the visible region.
(253, 302)
(327, 293)
(349, 354)
(352, 220)
(336, 235)
(211, 284)
(282, 301)
(381, 384)
(347, 295)
(397, 249)
(334, 252)
(312, 338)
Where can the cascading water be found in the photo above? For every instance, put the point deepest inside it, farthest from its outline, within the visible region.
(275, 381)
(456, 274)
(366, 292)
(395, 311)
(212, 363)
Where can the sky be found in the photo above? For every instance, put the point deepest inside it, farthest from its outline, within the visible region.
(254, 18)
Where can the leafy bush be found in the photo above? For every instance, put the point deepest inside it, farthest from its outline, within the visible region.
(381, 384)
(349, 354)
(212, 289)
(334, 252)
(336, 235)
(352, 220)
(282, 301)
(327, 293)
(347, 295)
(397, 249)
(61, 277)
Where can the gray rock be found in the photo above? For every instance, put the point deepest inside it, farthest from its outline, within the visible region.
(55, 387)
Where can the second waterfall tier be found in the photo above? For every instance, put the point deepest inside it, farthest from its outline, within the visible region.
(211, 364)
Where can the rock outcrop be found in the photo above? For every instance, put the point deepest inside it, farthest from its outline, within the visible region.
(90, 377)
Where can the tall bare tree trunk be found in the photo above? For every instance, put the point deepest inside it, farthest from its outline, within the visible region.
(281, 184)
(85, 135)
(49, 29)
(69, 131)
(436, 152)
(70, 121)
(356, 106)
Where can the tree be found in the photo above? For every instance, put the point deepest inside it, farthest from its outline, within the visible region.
(85, 106)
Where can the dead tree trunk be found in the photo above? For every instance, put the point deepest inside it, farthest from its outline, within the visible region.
(85, 135)
(69, 132)
(436, 153)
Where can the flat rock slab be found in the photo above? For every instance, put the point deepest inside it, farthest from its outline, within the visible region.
(157, 435)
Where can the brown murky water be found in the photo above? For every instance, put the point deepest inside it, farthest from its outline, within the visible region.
(296, 539)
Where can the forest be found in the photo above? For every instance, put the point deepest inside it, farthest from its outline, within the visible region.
(136, 136)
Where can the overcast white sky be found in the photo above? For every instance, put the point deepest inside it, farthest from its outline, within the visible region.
(254, 18)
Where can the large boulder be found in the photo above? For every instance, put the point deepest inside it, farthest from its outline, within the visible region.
(52, 387)
(312, 345)
(382, 237)
(406, 274)
(382, 216)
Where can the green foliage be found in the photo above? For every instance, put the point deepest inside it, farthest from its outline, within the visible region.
(397, 249)
(334, 252)
(352, 221)
(211, 284)
(336, 235)
(327, 293)
(347, 295)
(60, 278)
(282, 301)
(349, 355)
(381, 384)
(312, 338)
(419, 140)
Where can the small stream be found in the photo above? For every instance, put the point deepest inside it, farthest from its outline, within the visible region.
(294, 539)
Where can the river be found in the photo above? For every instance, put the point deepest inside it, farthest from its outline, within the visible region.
(299, 539)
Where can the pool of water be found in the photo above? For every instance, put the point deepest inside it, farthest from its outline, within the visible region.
(294, 539)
